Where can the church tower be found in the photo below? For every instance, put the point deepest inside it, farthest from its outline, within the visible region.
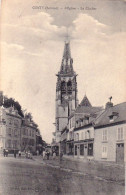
(66, 91)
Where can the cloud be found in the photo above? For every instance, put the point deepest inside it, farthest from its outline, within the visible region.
(31, 30)
(86, 27)
(32, 50)
(101, 57)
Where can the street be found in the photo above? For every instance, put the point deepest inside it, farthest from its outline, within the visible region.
(32, 177)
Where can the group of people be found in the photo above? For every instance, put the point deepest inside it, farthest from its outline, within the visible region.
(46, 154)
(5, 152)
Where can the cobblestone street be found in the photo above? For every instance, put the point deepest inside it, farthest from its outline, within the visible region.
(38, 177)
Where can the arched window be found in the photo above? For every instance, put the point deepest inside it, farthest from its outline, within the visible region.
(69, 87)
(63, 86)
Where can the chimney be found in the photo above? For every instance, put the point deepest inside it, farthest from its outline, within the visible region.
(108, 105)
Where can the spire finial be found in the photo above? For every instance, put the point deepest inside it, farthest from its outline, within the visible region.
(67, 37)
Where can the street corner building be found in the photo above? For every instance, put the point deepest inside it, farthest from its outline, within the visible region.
(84, 117)
(10, 129)
(16, 132)
(110, 134)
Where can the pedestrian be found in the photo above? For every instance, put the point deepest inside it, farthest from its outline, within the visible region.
(15, 153)
(54, 155)
(19, 153)
(37, 153)
(6, 153)
(61, 156)
(26, 154)
(48, 154)
(44, 154)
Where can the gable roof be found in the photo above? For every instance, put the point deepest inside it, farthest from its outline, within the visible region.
(119, 113)
(85, 102)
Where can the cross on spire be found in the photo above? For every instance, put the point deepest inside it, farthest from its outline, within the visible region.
(67, 37)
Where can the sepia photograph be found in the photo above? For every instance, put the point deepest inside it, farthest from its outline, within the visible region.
(62, 97)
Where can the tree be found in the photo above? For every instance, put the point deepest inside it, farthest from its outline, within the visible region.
(8, 102)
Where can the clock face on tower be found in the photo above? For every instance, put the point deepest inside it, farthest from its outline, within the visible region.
(66, 97)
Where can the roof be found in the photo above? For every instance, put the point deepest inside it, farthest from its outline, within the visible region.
(85, 102)
(89, 110)
(67, 61)
(86, 107)
(118, 112)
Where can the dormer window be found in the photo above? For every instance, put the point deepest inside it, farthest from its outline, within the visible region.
(86, 119)
(82, 122)
(113, 116)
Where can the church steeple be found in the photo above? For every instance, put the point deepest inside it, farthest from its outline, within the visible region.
(67, 61)
(66, 91)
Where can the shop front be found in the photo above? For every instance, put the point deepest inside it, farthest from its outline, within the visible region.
(83, 149)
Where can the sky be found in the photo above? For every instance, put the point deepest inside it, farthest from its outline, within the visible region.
(32, 43)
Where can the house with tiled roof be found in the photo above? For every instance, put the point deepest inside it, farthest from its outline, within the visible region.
(110, 134)
(79, 120)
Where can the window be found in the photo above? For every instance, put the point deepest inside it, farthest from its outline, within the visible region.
(90, 149)
(9, 143)
(81, 122)
(9, 131)
(16, 123)
(104, 151)
(15, 132)
(82, 149)
(120, 133)
(32, 142)
(77, 136)
(32, 133)
(82, 135)
(86, 135)
(104, 135)
(15, 144)
(10, 121)
(12, 132)
(111, 118)
(26, 131)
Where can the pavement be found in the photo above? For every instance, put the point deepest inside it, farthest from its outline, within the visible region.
(21, 176)
(107, 171)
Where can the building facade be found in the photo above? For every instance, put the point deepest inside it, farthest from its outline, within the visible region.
(84, 142)
(28, 135)
(10, 129)
(110, 134)
(79, 120)
(16, 132)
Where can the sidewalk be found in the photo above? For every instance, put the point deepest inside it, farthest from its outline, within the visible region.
(103, 170)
